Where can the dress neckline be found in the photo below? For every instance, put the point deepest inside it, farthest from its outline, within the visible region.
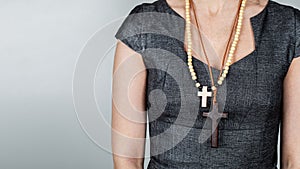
(256, 24)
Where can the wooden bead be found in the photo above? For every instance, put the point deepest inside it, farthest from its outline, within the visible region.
(242, 11)
(243, 4)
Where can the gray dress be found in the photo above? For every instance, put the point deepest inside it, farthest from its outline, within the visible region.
(251, 94)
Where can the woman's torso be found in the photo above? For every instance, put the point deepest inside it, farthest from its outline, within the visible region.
(251, 94)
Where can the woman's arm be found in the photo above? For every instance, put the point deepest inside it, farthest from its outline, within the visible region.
(291, 118)
(128, 109)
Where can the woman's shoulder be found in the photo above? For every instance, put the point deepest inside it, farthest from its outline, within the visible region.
(154, 6)
(284, 21)
(282, 16)
(282, 9)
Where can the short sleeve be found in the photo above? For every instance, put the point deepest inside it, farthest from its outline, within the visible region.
(130, 32)
(297, 33)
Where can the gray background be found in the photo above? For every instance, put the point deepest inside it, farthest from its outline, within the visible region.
(40, 41)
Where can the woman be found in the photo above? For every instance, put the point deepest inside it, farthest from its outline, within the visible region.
(251, 99)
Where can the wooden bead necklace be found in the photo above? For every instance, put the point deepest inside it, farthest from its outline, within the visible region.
(214, 114)
(204, 93)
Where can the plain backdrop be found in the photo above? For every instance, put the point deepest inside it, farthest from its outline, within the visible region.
(40, 42)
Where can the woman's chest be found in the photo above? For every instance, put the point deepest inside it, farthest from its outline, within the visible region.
(251, 94)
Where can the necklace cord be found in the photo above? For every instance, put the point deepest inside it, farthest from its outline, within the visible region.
(227, 45)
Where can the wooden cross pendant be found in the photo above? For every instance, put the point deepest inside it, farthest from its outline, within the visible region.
(204, 94)
(214, 115)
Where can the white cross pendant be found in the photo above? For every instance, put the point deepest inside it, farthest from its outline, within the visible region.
(204, 94)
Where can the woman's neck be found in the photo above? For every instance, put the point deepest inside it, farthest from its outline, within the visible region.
(212, 7)
(215, 7)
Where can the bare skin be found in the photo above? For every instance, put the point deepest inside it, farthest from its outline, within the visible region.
(128, 154)
(218, 17)
(290, 139)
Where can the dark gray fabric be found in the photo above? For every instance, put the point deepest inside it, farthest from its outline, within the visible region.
(251, 95)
